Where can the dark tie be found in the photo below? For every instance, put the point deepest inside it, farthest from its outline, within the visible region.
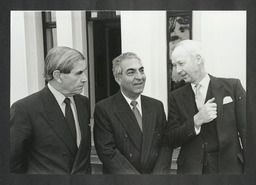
(137, 113)
(70, 117)
(199, 97)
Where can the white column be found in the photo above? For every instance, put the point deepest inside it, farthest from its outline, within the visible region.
(144, 32)
(223, 36)
(18, 77)
(64, 28)
(27, 58)
(34, 51)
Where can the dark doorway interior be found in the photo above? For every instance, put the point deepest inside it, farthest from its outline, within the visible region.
(107, 45)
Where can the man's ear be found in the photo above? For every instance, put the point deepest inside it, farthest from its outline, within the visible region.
(198, 59)
(118, 79)
(57, 76)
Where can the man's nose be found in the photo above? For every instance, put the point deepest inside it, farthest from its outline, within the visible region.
(84, 78)
(138, 75)
(178, 69)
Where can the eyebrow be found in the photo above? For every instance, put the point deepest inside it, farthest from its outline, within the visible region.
(80, 71)
(134, 69)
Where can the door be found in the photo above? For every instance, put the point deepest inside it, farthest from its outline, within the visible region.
(107, 46)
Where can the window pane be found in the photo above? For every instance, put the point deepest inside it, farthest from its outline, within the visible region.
(53, 16)
(54, 37)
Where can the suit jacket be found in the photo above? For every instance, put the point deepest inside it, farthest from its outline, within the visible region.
(40, 140)
(119, 142)
(230, 123)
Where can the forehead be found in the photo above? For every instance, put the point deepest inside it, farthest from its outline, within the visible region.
(131, 63)
(179, 54)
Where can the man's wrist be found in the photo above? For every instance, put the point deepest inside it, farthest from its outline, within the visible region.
(197, 121)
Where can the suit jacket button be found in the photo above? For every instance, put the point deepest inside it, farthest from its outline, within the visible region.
(130, 155)
(125, 135)
(64, 154)
(156, 154)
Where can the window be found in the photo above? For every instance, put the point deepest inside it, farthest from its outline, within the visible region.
(49, 30)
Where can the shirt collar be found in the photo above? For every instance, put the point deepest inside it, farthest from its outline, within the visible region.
(129, 100)
(204, 82)
(58, 95)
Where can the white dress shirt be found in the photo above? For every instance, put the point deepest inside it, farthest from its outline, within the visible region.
(138, 101)
(60, 99)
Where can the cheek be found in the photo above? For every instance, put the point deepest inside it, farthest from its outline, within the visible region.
(71, 83)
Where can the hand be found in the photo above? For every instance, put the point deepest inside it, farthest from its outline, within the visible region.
(206, 114)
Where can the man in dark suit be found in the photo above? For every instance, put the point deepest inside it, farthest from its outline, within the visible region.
(207, 116)
(50, 131)
(129, 127)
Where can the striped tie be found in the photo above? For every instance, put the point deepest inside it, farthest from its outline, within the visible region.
(199, 97)
(70, 117)
(137, 114)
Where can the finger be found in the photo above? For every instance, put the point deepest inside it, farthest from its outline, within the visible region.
(213, 109)
(210, 100)
(212, 105)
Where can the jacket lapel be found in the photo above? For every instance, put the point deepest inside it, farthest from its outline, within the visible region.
(128, 120)
(83, 116)
(149, 122)
(82, 113)
(56, 119)
(218, 93)
(188, 99)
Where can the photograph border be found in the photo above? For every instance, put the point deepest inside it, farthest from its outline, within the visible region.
(248, 179)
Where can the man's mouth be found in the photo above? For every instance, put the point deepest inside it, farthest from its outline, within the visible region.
(137, 84)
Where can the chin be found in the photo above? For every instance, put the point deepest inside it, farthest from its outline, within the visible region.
(138, 92)
(78, 92)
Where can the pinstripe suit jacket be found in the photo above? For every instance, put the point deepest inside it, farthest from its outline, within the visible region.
(119, 142)
(230, 123)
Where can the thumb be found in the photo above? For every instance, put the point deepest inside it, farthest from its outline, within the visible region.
(211, 100)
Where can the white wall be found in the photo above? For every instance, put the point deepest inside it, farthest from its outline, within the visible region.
(223, 36)
(144, 33)
(26, 54)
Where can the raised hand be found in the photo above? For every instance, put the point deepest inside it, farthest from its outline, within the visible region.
(206, 114)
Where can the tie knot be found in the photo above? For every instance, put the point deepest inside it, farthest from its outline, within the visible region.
(198, 86)
(134, 103)
(67, 101)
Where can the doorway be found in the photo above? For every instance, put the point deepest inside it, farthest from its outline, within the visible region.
(106, 41)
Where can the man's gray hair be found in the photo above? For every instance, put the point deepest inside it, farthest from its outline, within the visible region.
(193, 48)
(61, 58)
(117, 61)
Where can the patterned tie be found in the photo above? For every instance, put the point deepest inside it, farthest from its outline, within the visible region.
(199, 97)
(137, 114)
(70, 117)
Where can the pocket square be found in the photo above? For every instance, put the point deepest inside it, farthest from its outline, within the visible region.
(227, 99)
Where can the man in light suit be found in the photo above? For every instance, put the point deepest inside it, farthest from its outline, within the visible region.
(129, 138)
(207, 117)
(50, 130)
